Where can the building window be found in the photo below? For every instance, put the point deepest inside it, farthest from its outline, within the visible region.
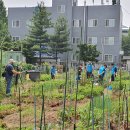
(110, 22)
(61, 8)
(16, 23)
(76, 23)
(108, 58)
(109, 40)
(92, 22)
(16, 38)
(76, 40)
(92, 40)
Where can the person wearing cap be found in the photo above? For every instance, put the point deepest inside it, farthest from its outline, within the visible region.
(10, 71)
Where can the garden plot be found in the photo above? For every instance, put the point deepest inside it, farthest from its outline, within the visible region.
(88, 107)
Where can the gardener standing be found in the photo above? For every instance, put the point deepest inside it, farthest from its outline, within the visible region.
(89, 69)
(112, 72)
(10, 71)
(53, 72)
(101, 72)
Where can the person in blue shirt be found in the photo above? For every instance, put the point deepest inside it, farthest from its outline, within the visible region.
(102, 71)
(10, 71)
(89, 70)
(112, 72)
(115, 68)
(53, 72)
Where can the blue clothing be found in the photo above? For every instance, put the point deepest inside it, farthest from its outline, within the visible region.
(53, 71)
(113, 70)
(8, 87)
(8, 77)
(9, 69)
(102, 71)
(89, 68)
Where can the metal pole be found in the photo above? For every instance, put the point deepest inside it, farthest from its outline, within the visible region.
(19, 110)
(92, 98)
(76, 105)
(43, 111)
(103, 110)
(34, 109)
(64, 103)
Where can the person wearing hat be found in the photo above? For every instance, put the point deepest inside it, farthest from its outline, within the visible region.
(10, 71)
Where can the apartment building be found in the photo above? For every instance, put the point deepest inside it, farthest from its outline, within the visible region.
(100, 25)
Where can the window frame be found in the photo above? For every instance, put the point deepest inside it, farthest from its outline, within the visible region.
(62, 10)
(109, 23)
(108, 57)
(92, 40)
(14, 37)
(14, 25)
(76, 23)
(92, 20)
(109, 40)
(76, 39)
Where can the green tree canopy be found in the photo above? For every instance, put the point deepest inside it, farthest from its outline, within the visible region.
(126, 44)
(88, 52)
(4, 35)
(38, 36)
(60, 40)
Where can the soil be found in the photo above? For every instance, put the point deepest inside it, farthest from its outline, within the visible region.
(10, 118)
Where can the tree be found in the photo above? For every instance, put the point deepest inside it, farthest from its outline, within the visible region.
(38, 37)
(88, 52)
(4, 35)
(126, 44)
(59, 41)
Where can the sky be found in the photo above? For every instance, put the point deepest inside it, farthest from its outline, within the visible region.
(125, 4)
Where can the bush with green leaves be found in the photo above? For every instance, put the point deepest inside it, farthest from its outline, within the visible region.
(45, 77)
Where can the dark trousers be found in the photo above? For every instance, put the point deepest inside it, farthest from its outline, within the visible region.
(112, 77)
(89, 74)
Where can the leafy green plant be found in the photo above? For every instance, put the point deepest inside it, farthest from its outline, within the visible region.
(5, 107)
(45, 77)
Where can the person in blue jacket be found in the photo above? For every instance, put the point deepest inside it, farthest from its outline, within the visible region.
(112, 72)
(101, 72)
(53, 72)
(89, 70)
(115, 69)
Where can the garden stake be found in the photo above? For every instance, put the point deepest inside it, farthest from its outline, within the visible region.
(103, 111)
(123, 104)
(75, 109)
(92, 112)
(109, 104)
(43, 111)
(70, 92)
(64, 103)
(127, 111)
(34, 109)
(90, 105)
(119, 101)
(19, 110)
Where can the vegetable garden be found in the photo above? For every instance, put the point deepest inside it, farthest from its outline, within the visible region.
(66, 103)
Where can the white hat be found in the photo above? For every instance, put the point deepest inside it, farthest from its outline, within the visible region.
(11, 60)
